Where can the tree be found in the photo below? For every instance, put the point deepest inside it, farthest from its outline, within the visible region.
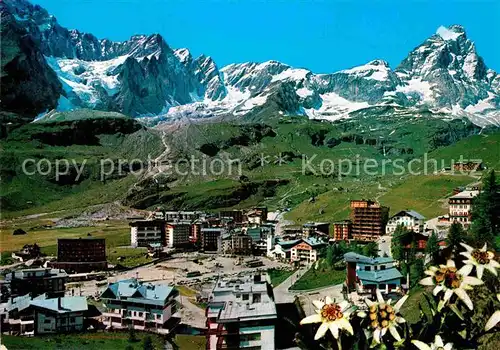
(455, 237)
(486, 212)
(371, 249)
(416, 272)
(397, 248)
(148, 343)
(329, 256)
(432, 248)
(132, 336)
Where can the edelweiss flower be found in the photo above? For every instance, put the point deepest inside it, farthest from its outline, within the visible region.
(481, 259)
(494, 319)
(384, 317)
(332, 317)
(437, 345)
(449, 280)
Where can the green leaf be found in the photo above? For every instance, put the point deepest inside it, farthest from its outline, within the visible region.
(457, 312)
(463, 333)
(399, 343)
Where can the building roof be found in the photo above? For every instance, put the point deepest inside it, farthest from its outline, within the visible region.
(465, 195)
(22, 302)
(313, 241)
(212, 229)
(62, 305)
(154, 222)
(134, 290)
(412, 213)
(40, 272)
(246, 311)
(379, 275)
(288, 244)
(355, 257)
(314, 224)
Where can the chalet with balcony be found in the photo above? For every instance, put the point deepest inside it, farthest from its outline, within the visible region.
(365, 274)
(143, 306)
(409, 219)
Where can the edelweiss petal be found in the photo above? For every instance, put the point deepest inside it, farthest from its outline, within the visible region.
(395, 333)
(428, 281)
(473, 281)
(438, 344)
(376, 336)
(318, 304)
(334, 329)
(344, 324)
(421, 345)
(468, 247)
(462, 294)
(466, 270)
(400, 303)
(493, 321)
(321, 331)
(311, 319)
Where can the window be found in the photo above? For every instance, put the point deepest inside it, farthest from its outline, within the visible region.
(246, 297)
(72, 320)
(140, 314)
(382, 267)
(46, 321)
(367, 268)
(256, 298)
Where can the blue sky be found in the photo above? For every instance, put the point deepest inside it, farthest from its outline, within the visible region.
(323, 36)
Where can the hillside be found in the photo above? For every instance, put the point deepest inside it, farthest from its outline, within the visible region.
(271, 158)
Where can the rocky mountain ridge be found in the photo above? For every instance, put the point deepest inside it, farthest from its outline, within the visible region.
(145, 77)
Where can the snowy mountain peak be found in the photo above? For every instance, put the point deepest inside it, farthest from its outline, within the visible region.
(183, 55)
(451, 33)
(376, 69)
(144, 77)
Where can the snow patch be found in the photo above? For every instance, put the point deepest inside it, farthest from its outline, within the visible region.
(369, 71)
(447, 34)
(304, 92)
(417, 85)
(253, 102)
(334, 107)
(292, 74)
(84, 77)
(482, 105)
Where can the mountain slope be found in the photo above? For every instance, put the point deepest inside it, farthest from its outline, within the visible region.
(145, 77)
(29, 86)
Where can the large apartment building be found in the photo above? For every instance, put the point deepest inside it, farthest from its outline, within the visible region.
(241, 244)
(145, 232)
(236, 215)
(342, 230)
(368, 220)
(37, 281)
(241, 314)
(460, 207)
(143, 306)
(177, 234)
(210, 238)
(81, 254)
